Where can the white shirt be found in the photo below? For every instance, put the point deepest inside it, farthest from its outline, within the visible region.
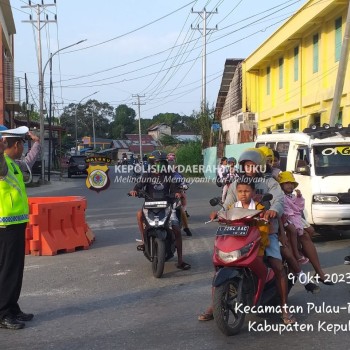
(251, 205)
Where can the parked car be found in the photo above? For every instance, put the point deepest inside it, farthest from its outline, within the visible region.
(77, 166)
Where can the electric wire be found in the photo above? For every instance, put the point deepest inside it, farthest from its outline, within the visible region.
(213, 51)
(132, 31)
(149, 74)
(241, 28)
(163, 51)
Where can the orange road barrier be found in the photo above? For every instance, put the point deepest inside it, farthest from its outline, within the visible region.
(57, 225)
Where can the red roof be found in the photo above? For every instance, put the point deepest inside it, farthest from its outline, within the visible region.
(145, 139)
(145, 148)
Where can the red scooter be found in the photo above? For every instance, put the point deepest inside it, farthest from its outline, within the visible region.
(242, 278)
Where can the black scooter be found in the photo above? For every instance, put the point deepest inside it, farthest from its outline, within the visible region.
(159, 238)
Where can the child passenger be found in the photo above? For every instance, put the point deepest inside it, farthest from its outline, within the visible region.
(245, 192)
(293, 208)
(229, 176)
(276, 165)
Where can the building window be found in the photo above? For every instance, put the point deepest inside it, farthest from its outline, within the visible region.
(338, 38)
(268, 80)
(315, 54)
(280, 67)
(315, 119)
(268, 130)
(296, 63)
(340, 117)
(295, 125)
(280, 127)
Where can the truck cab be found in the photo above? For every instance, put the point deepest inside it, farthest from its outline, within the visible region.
(319, 158)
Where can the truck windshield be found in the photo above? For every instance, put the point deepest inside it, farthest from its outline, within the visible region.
(332, 159)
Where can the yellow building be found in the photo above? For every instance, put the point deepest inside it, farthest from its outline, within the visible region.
(289, 81)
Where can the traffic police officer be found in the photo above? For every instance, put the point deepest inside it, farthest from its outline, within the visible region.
(13, 219)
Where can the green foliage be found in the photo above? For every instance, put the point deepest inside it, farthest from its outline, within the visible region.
(203, 124)
(145, 124)
(116, 123)
(177, 122)
(190, 153)
(34, 116)
(123, 123)
(102, 113)
(168, 140)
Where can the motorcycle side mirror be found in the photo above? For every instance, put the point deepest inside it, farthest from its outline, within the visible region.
(214, 201)
(158, 187)
(267, 197)
(265, 201)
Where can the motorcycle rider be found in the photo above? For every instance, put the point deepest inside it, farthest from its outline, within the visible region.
(221, 170)
(229, 175)
(156, 184)
(253, 162)
(183, 212)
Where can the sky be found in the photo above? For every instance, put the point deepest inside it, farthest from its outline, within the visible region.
(139, 47)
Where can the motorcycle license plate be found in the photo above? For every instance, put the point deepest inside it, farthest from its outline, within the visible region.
(232, 230)
(158, 204)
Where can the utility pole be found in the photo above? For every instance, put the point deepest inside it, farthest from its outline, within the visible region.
(38, 25)
(93, 126)
(339, 83)
(204, 14)
(27, 107)
(139, 113)
(50, 123)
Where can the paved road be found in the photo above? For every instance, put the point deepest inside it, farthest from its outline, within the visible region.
(106, 297)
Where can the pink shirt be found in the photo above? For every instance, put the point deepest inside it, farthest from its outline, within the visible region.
(30, 158)
(293, 206)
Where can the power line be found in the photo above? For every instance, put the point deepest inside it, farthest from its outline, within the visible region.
(134, 30)
(144, 67)
(149, 74)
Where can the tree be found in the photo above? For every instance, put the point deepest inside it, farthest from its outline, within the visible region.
(203, 123)
(190, 153)
(102, 113)
(177, 122)
(123, 123)
(168, 140)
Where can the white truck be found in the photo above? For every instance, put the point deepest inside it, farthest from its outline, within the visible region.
(320, 161)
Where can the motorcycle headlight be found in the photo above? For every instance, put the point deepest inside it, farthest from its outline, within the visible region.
(167, 212)
(234, 255)
(324, 198)
(153, 220)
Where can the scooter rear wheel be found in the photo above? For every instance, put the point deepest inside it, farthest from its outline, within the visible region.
(226, 297)
(159, 258)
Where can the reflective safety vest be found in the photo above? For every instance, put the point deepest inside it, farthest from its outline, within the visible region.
(14, 207)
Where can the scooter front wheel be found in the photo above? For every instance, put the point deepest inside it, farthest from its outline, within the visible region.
(227, 302)
(158, 258)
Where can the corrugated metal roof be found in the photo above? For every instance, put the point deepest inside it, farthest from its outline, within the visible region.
(121, 144)
(229, 71)
(157, 126)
